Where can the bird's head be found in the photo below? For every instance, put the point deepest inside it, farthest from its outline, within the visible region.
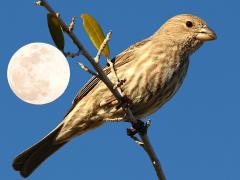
(186, 30)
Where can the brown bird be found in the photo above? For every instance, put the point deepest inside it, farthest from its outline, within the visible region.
(154, 70)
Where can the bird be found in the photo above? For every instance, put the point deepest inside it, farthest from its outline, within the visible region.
(153, 70)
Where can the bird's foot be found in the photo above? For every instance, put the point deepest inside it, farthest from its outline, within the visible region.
(139, 127)
(119, 83)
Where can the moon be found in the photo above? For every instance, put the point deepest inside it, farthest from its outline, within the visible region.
(38, 73)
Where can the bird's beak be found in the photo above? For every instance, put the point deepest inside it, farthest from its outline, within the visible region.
(206, 34)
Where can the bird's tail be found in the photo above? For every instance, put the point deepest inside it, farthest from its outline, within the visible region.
(30, 159)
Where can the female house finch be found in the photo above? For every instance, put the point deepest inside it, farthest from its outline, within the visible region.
(154, 70)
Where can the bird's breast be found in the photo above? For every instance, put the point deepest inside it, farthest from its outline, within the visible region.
(155, 83)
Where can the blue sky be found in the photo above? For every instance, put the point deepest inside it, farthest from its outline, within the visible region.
(196, 134)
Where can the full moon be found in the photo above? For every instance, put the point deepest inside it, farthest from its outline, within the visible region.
(38, 73)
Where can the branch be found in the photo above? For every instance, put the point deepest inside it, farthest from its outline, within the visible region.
(101, 75)
(142, 130)
(87, 55)
(117, 82)
(136, 140)
(103, 45)
(85, 68)
(154, 159)
(72, 55)
(71, 26)
(111, 64)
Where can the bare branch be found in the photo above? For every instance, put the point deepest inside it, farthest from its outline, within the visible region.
(117, 83)
(98, 69)
(72, 55)
(103, 45)
(85, 68)
(71, 26)
(154, 159)
(39, 3)
(136, 140)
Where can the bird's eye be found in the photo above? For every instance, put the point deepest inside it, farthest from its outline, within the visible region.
(189, 24)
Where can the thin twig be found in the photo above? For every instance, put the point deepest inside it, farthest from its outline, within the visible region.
(111, 64)
(136, 140)
(117, 82)
(146, 145)
(71, 26)
(110, 86)
(103, 45)
(85, 68)
(39, 3)
(154, 159)
(72, 55)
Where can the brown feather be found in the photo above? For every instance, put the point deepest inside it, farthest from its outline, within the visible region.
(30, 159)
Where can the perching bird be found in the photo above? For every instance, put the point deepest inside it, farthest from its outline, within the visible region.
(153, 70)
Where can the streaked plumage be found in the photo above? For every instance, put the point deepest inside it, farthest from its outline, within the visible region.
(154, 70)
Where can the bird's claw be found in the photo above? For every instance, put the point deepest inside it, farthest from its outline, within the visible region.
(131, 131)
(139, 127)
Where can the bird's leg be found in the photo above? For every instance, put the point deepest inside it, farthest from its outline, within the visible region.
(139, 127)
(119, 83)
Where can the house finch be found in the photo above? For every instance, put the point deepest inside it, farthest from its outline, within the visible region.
(153, 70)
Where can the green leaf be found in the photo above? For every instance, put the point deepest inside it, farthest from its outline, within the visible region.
(95, 33)
(55, 30)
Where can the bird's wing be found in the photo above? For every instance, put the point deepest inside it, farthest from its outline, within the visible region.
(121, 59)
